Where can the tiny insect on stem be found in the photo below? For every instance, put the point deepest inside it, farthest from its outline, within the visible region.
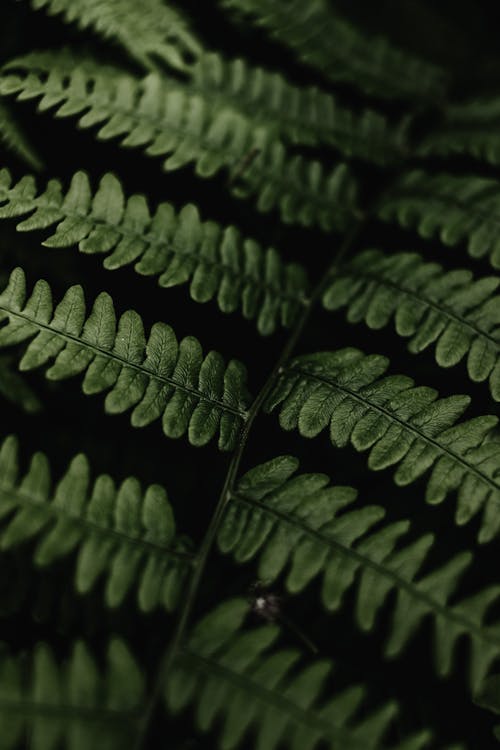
(243, 165)
(268, 606)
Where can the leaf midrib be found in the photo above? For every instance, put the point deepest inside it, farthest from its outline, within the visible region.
(443, 310)
(321, 132)
(24, 499)
(125, 363)
(151, 240)
(359, 64)
(406, 426)
(30, 708)
(266, 170)
(296, 713)
(367, 562)
(420, 193)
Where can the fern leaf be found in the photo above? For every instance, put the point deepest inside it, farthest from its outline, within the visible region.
(448, 308)
(47, 704)
(470, 128)
(489, 699)
(158, 377)
(400, 424)
(15, 389)
(298, 187)
(334, 47)
(457, 209)
(176, 246)
(148, 32)
(301, 115)
(123, 533)
(166, 119)
(14, 140)
(234, 673)
(305, 526)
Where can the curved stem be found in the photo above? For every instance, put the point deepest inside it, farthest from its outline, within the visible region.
(232, 473)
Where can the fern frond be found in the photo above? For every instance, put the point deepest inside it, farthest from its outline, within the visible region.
(470, 128)
(47, 704)
(148, 31)
(124, 533)
(15, 389)
(432, 306)
(164, 118)
(489, 699)
(234, 673)
(400, 424)
(176, 246)
(299, 188)
(457, 209)
(293, 523)
(14, 140)
(157, 377)
(333, 46)
(306, 116)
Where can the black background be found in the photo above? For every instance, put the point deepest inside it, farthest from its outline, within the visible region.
(461, 36)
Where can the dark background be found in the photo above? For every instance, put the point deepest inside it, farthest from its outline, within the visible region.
(463, 37)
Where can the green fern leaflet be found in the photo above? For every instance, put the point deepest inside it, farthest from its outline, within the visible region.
(305, 526)
(77, 705)
(157, 378)
(175, 246)
(460, 315)
(400, 424)
(149, 32)
(163, 117)
(236, 674)
(456, 209)
(123, 532)
(319, 179)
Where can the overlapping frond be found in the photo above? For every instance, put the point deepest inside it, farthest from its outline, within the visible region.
(124, 533)
(332, 45)
(306, 527)
(301, 115)
(47, 704)
(469, 128)
(300, 189)
(456, 208)
(450, 309)
(156, 377)
(148, 31)
(489, 698)
(236, 674)
(14, 140)
(15, 389)
(400, 424)
(166, 119)
(178, 247)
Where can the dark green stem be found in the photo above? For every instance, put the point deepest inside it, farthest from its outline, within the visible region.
(232, 473)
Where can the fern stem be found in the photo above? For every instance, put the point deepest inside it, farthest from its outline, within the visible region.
(226, 493)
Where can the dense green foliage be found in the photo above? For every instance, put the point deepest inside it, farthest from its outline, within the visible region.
(321, 207)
